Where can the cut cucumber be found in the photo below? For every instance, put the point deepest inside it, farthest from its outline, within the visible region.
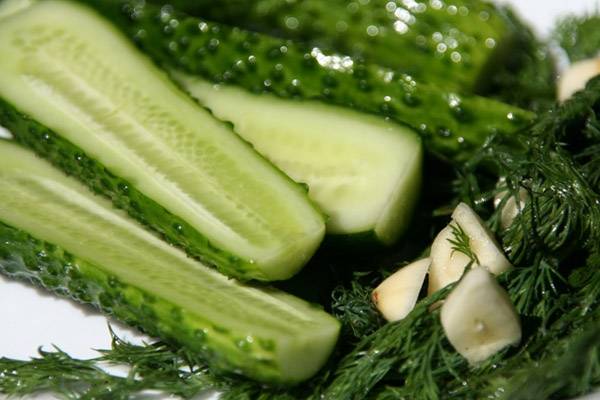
(362, 171)
(452, 125)
(69, 70)
(10, 7)
(55, 232)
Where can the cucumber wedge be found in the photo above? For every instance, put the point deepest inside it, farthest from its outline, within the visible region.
(81, 95)
(362, 171)
(56, 233)
(452, 125)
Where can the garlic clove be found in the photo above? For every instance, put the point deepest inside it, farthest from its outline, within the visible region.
(576, 77)
(479, 318)
(396, 296)
(447, 264)
(482, 241)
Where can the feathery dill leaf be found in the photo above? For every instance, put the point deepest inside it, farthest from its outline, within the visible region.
(556, 231)
(354, 308)
(152, 367)
(460, 242)
(394, 348)
(578, 36)
(561, 212)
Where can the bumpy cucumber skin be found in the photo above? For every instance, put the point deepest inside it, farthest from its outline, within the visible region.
(449, 43)
(27, 258)
(451, 125)
(71, 159)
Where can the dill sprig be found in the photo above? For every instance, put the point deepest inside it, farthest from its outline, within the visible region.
(353, 307)
(462, 243)
(152, 367)
(562, 212)
(578, 35)
(402, 348)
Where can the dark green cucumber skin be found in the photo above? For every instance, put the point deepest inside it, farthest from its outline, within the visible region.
(451, 125)
(44, 264)
(366, 29)
(71, 159)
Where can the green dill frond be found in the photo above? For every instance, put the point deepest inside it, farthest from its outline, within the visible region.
(406, 348)
(354, 308)
(462, 243)
(562, 213)
(152, 367)
(578, 36)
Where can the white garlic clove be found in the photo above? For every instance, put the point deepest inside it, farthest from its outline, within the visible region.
(479, 318)
(482, 241)
(396, 296)
(576, 77)
(447, 264)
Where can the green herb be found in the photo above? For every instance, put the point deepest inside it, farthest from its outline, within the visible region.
(578, 36)
(460, 242)
(353, 307)
(152, 367)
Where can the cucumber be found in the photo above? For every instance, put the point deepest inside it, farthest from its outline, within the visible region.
(452, 125)
(456, 44)
(79, 94)
(56, 233)
(362, 171)
(9, 7)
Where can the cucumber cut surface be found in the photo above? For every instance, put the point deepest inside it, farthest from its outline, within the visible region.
(69, 70)
(9, 7)
(57, 233)
(362, 171)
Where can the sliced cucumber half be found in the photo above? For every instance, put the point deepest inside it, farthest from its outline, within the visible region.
(65, 67)
(57, 233)
(362, 171)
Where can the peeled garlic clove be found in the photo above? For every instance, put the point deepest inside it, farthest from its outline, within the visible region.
(511, 207)
(396, 296)
(481, 240)
(478, 317)
(447, 264)
(576, 77)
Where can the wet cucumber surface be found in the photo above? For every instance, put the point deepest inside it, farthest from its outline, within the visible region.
(451, 124)
(57, 233)
(363, 172)
(69, 71)
(453, 44)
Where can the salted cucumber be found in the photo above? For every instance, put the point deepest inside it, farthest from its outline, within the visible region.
(56, 233)
(78, 93)
(452, 125)
(456, 44)
(362, 171)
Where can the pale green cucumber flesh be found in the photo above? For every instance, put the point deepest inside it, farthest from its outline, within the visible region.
(71, 71)
(39, 200)
(10, 7)
(363, 172)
